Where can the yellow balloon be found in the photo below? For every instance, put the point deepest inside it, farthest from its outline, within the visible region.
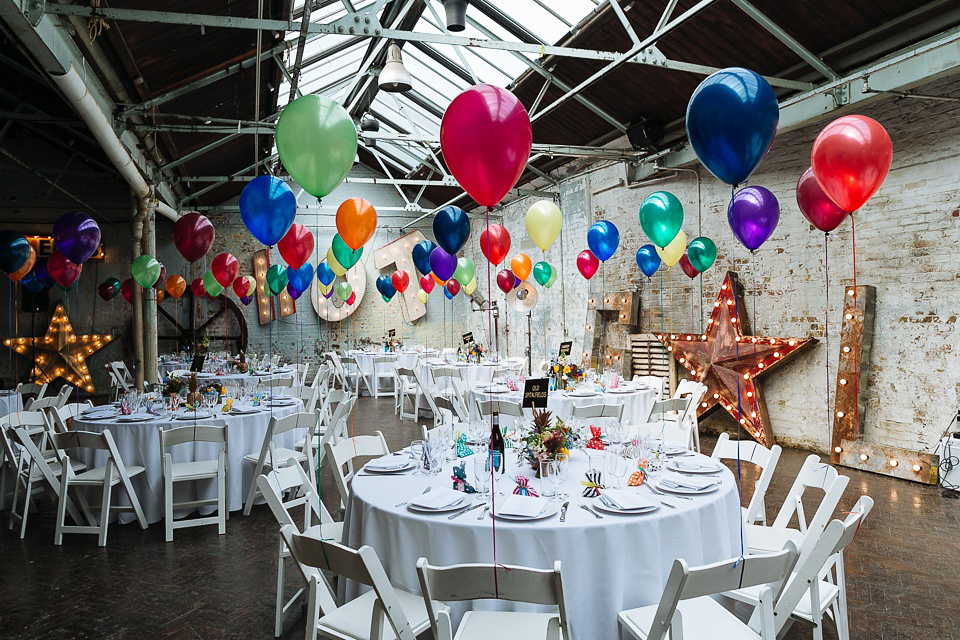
(543, 223)
(422, 296)
(672, 253)
(335, 266)
(324, 288)
(470, 287)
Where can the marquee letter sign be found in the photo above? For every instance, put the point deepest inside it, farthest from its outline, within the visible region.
(400, 253)
(333, 309)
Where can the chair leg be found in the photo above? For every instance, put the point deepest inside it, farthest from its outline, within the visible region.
(278, 616)
(105, 509)
(168, 509)
(61, 514)
(222, 502)
(252, 492)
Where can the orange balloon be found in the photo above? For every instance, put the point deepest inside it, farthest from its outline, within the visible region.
(521, 266)
(176, 286)
(160, 296)
(356, 222)
(27, 266)
(438, 280)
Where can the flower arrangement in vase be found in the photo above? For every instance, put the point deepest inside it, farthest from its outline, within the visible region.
(475, 352)
(547, 439)
(566, 374)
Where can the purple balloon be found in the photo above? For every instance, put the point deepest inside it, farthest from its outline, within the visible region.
(246, 300)
(43, 275)
(753, 214)
(293, 291)
(516, 281)
(76, 235)
(442, 263)
(328, 293)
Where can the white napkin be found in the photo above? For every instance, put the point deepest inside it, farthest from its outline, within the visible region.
(682, 482)
(438, 499)
(522, 506)
(673, 448)
(626, 500)
(692, 465)
(389, 463)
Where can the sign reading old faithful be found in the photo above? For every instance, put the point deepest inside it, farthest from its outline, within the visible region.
(400, 253)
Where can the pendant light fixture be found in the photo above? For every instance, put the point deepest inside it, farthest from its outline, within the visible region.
(456, 14)
(394, 77)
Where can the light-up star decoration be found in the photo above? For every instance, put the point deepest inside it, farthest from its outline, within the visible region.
(61, 353)
(728, 361)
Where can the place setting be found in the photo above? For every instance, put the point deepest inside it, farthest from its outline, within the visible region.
(681, 484)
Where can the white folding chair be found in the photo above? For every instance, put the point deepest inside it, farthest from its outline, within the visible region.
(112, 473)
(34, 389)
(407, 389)
(756, 454)
(196, 471)
(443, 378)
(332, 429)
(309, 396)
(687, 612)
(658, 384)
(55, 401)
(269, 453)
(668, 420)
(511, 408)
(494, 582)
(353, 373)
(302, 370)
(60, 416)
(342, 454)
(612, 411)
(382, 612)
(813, 475)
(695, 391)
(383, 370)
(446, 411)
(284, 489)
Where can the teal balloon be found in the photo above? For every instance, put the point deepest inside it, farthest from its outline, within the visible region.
(542, 271)
(344, 290)
(465, 271)
(145, 270)
(661, 216)
(648, 260)
(702, 253)
(277, 279)
(385, 298)
(346, 256)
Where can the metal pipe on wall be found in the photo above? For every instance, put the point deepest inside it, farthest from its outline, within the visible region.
(150, 300)
(140, 212)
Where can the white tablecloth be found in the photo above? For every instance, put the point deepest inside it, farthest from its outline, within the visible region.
(139, 444)
(471, 373)
(611, 564)
(636, 404)
(10, 402)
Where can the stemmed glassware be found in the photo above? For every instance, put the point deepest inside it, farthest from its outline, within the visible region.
(548, 471)
(616, 464)
(562, 464)
(416, 452)
(481, 475)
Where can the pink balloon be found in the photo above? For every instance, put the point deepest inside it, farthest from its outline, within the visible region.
(486, 138)
(816, 206)
(587, 263)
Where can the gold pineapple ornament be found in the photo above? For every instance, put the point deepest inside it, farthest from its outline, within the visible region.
(193, 396)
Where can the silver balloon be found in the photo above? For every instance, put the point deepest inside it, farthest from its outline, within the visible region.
(523, 298)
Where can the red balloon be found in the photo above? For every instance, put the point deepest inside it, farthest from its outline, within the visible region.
(193, 234)
(400, 281)
(426, 283)
(241, 287)
(297, 246)
(453, 286)
(688, 268)
(816, 206)
(352, 298)
(62, 270)
(587, 263)
(505, 280)
(162, 280)
(851, 158)
(225, 269)
(106, 290)
(495, 243)
(197, 287)
(126, 290)
(485, 136)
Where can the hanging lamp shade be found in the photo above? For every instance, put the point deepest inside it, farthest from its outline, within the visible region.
(394, 77)
(456, 14)
(369, 122)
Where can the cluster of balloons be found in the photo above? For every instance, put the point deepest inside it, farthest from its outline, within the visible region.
(76, 237)
(661, 216)
(437, 263)
(356, 223)
(603, 238)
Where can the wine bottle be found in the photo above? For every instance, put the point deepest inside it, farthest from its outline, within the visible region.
(499, 445)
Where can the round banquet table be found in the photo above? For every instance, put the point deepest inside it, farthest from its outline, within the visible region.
(470, 372)
(408, 358)
(10, 402)
(637, 402)
(610, 564)
(139, 444)
(251, 378)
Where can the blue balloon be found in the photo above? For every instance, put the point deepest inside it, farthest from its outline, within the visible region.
(603, 238)
(325, 274)
(451, 227)
(31, 284)
(43, 275)
(421, 256)
(14, 250)
(301, 278)
(648, 260)
(447, 293)
(268, 206)
(385, 287)
(732, 118)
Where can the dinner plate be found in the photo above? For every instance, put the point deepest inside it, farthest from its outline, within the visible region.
(674, 449)
(602, 506)
(581, 394)
(459, 504)
(244, 412)
(550, 509)
(139, 418)
(684, 490)
(620, 390)
(708, 466)
(194, 416)
(381, 471)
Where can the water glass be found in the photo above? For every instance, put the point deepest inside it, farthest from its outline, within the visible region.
(616, 464)
(556, 479)
(481, 475)
(656, 456)
(416, 452)
(434, 457)
(548, 489)
(562, 462)
(495, 463)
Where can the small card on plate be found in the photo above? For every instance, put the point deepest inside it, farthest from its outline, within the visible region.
(626, 500)
(438, 499)
(517, 506)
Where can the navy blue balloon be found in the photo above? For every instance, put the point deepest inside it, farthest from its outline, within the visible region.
(325, 274)
(447, 293)
(31, 284)
(421, 256)
(451, 228)
(732, 118)
(385, 287)
(648, 260)
(268, 207)
(603, 238)
(14, 250)
(43, 275)
(301, 278)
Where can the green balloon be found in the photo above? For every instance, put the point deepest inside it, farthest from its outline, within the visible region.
(276, 278)
(702, 253)
(210, 283)
(145, 271)
(344, 290)
(661, 216)
(465, 271)
(317, 142)
(553, 278)
(113, 282)
(385, 298)
(346, 256)
(542, 272)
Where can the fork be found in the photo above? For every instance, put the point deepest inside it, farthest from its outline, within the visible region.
(406, 502)
(591, 511)
(660, 493)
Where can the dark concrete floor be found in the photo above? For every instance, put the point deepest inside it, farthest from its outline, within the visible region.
(903, 568)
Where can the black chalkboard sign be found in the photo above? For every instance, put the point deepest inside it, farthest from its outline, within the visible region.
(565, 348)
(391, 333)
(468, 338)
(535, 393)
(197, 365)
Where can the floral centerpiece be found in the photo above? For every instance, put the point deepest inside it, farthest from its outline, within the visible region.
(547, 439)
(174, 385)
(566, 374)
(474, 352)
(240, 364)
(392, 344)
(203, 345)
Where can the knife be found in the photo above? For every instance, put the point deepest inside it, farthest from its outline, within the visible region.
(464, 510)
(563, 511)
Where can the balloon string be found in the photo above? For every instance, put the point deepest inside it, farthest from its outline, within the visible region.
(826, 328)
(856, 364)
(739, 417)
(493, 485)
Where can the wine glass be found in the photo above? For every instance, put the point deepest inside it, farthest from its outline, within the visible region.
(481, 475)
(556, 479)
(416, 452)
(495, 465)
(563, 467)
(620, 470)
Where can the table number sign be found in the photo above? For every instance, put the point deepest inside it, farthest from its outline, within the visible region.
(565, 348)
(535, 393)
(391, 333)
(468, 338)
(197, 365)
